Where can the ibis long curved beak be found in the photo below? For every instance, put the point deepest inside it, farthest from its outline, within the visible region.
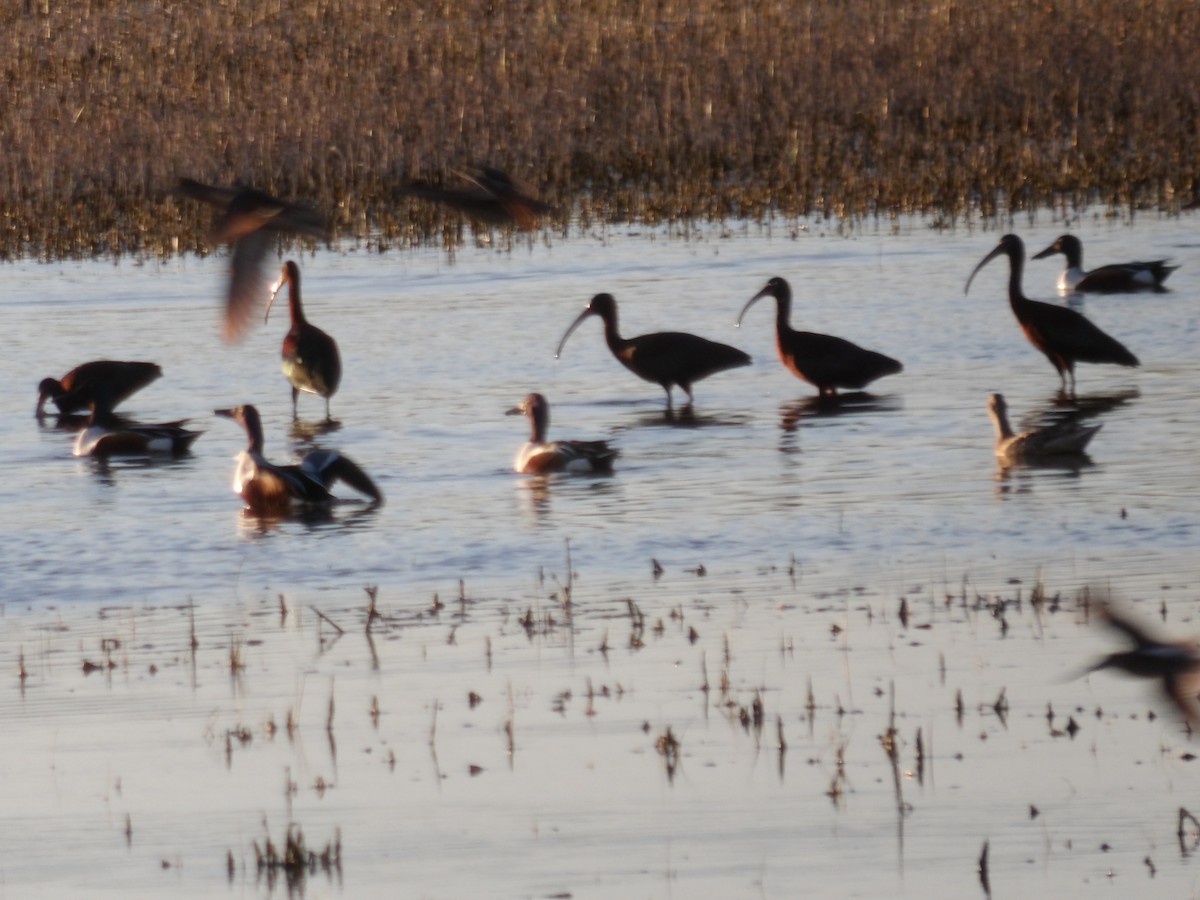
(583, 315)
(275, 289)
(987, 259)
(750, 303)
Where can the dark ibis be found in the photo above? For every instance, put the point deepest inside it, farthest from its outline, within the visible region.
(270, 489)
(1117, 278)
(1066, 437)
(310, 357)
(824, 361)
(106, 435)
(665, 358)
(250, 220)
(494, 198)
(1062, 334)
(76, 391)
(541, 457)
(1175, 664)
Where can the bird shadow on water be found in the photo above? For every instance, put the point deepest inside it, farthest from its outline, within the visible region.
(793, 412)
(313, 518)
(685, 417)
(308, 430)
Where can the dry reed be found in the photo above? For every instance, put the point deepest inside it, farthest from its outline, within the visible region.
(612, 110)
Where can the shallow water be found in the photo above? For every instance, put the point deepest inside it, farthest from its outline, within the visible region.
(772, 524)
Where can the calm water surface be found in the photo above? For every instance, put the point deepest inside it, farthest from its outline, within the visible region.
(787, 539)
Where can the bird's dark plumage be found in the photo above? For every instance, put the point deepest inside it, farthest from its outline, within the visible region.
(1063, 335)
(76, 391)
(311, 360)
(665, 358)
(250, 220)
(824, 361)
(493, 199)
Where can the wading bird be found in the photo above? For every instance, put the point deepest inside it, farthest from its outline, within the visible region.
(1117, 278)
(310, 357)
(1064, 438)
(113, 379)
(541, 457)
(826, 362)
(495, 198)
(270, 489)
(665, 358)
(1063, 335)
(250, 220)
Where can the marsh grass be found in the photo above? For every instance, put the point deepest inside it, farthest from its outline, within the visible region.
(611, 110)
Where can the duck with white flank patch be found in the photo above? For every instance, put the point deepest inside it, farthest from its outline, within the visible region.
(541, 457)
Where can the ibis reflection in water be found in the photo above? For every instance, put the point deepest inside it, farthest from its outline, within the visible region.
(250, 220)
(540, 457)
(666, 358)
(824, 361)
(112, 380)
(270, 489)
(1117, 278)
(1062, 334)
(310, 357)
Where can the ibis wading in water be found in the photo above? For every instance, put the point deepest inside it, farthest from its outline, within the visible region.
(826, 362)
(270, 489)
(541, 457)
(310, 357)
(78, 389)
(1065, 438)
(494, 199)
(250, 220)
(1063, 335)
(665, 358)
(1117, 278)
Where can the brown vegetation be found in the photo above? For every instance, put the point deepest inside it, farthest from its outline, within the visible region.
(611, 110)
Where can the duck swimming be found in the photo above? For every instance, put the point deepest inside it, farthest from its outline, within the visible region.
(540, 457)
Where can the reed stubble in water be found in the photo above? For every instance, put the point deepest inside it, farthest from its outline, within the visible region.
(616, 111)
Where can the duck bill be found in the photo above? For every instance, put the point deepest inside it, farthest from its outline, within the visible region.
(227, 413)
(275, 289)
(983, 262)
(750, 303)
(583, 315)
(515, 411)
(1049, 251)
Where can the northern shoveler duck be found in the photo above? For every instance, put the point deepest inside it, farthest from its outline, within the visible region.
(541, 457)
(76, 391)
(107, 436)
(495, 199)
(1176, 664)
(824, 361)
(1063, 438)
(311, 360)
(1062, 334)
(250, 220)
(1117, 278)
(270, 489)
(665, 358)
